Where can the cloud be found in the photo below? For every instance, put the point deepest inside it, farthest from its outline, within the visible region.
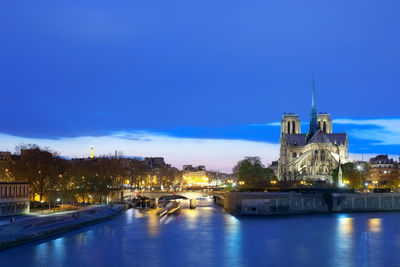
(217, 148)
(378, 131)
(367, 156)
(216, 154)
(275, 123)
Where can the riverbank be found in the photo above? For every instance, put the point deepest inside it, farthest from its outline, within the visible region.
(264, 204)
(39, 227)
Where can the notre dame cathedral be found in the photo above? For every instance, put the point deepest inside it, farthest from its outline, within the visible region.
(311, 155)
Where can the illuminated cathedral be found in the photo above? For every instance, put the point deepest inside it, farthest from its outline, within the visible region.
(312, 155)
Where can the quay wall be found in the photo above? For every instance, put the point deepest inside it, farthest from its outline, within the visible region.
(14, 198)
(302, 203)
(19, 233)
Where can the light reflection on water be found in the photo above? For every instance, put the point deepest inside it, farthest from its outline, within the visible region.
(153, 223)
(208, 236)
(374, 225)
(233, 241)
(345, 225)
(344, 239)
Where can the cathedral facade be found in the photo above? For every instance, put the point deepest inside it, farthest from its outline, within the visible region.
(312, 155)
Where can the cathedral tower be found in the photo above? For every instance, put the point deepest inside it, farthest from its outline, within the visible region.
(325, 123)
(290, 124)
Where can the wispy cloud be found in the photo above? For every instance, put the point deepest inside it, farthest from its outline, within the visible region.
(216, 154)
(275, 123)
(377, 131)
(217, 148)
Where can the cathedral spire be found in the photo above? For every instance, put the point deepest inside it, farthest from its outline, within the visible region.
(313, 94)
(313, 113)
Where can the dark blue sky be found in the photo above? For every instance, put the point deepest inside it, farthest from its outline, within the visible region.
(91, 68)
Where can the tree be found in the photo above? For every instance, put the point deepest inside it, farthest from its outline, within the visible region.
(139, 170)
(350, 173)
(6, 174)
(37, 166)
(251, 171)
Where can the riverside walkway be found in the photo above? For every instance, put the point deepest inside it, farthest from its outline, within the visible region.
(33, 227)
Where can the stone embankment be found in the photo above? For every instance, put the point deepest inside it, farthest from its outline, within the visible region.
(303, 203)
(39, 227)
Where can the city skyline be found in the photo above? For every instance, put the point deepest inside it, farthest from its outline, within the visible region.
(178, 150)
(199, 133)
(161, 80)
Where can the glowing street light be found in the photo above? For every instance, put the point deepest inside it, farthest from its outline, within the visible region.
(41, 205)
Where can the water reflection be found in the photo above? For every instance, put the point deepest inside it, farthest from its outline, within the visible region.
(153, 223)
(81, 240)
(59, 248)
(374, 225)
(212, 237)
(233, 240)
(345, 225)
(191, 218)
(344, 240)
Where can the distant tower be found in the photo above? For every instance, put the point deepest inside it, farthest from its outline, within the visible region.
(91, 152)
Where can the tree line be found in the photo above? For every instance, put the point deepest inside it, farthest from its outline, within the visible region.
(53, 177)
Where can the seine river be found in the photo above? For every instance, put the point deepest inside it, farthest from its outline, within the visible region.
(208, 236)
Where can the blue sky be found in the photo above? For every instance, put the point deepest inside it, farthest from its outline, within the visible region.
(198, 81)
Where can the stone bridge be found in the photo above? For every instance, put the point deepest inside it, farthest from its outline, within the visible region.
(155, 196)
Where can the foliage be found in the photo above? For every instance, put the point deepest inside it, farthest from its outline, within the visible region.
(252, 172)
(350, 173)
(53, 177)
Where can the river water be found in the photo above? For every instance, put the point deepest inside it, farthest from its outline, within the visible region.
(208, 236)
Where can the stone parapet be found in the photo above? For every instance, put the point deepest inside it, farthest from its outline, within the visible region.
(303, 203)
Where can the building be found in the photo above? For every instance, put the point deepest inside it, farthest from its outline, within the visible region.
(382, 169)
(14, 198)
(5, 155)
(274, 166)
(195, 176)
(312, 155)
(156, 162)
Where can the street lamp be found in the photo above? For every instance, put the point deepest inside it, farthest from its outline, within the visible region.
(41, 205)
